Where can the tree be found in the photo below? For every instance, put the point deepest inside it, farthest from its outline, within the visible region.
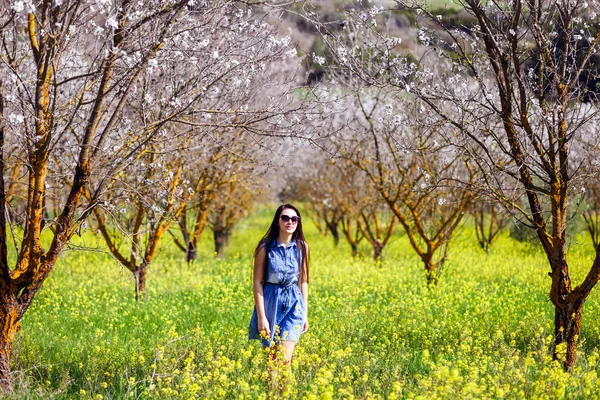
(489, 222)
(365, 214)
(233, 200)
(513, 94)
(63, 107)
(324, 198)
(376, 223)
(354, 202)
(409, 166)
(184, 166)
(526, 121)
(317, 183)
(352, 232)
(71, 80)
(193, 218)
(140, 209)
(328, 186)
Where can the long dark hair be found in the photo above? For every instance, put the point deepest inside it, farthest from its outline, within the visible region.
(273, 233)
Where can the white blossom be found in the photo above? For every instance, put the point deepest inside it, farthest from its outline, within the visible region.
(426, 40)
(18, 6)
(16, 118)
(111, 22)
(318, 59)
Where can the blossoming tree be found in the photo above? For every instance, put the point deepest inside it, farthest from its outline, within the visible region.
(77, 107)
(423, 181)
(516, 92)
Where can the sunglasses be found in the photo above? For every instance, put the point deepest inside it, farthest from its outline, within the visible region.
(286, 218)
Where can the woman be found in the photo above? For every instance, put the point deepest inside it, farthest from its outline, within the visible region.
(281, 284)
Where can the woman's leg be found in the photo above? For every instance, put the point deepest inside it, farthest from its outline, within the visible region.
(285, 379)
(279, 367)
(287, 351)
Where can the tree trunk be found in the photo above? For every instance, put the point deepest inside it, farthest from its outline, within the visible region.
(431, 272)
(333, 228)
(482, 238)
(567, 326)
(140, 281)
(221, 237)
(9, 325)
(432, 278)
(191, 253)
(189, 241)
(354, 249)
(377, 250)
(485, 245)
(568, 306)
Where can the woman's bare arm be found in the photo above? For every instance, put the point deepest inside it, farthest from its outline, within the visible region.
(259, 299)
(304, 288)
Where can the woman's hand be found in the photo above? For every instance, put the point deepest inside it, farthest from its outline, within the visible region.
(305, 326)
(263, 326)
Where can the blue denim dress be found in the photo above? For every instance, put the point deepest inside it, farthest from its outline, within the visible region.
(284, 304)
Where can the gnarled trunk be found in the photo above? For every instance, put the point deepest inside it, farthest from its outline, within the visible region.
(140, 281)
(377, 250)
(333, 228)
(567, 326)
(9, 325)
(354, 247)
(433, 268)
(191, 253)
(568, 307)
(221, 237)
(433, 260)
(190, 241)
(568, 302)
(432, 274)
(484, 244)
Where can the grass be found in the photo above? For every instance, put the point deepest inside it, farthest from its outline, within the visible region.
(375, 332)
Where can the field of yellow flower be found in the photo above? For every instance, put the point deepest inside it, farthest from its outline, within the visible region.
(376, 331)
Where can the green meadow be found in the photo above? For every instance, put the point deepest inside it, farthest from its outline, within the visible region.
(376, 331)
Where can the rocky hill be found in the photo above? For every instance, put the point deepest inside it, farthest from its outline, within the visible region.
(395, 21)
